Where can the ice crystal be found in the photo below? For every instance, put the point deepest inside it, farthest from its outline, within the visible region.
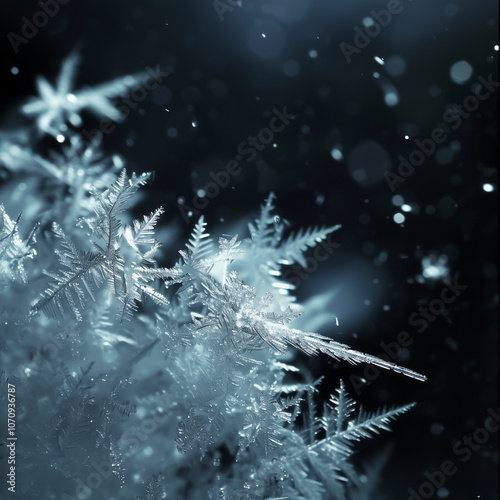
(168, 382)
(154, 489)
(267, 250)
(13, 250)
(85, 271)
(56, 105)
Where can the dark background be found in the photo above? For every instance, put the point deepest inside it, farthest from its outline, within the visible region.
(227, 78)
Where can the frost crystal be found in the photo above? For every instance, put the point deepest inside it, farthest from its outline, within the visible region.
(58, 104)
(127, 271)
(168, 382)
(13, 250)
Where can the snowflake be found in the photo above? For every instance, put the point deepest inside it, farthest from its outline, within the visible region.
(59, 103)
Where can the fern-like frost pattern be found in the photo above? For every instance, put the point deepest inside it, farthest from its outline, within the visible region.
(188, 371)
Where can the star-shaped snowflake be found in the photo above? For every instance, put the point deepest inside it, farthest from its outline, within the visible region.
(58, 104)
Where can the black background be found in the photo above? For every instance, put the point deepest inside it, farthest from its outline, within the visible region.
(336, 103)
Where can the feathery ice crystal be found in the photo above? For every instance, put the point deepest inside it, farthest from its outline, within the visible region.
(168, 382)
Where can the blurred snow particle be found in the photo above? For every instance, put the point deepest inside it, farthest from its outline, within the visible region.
(148, 451)
(368, 162)
(414, 208)
(397, 200)
(290, 11)
(291, 68)
(337, 153)
(266, 38)
(161, 95)
(367, 22)
(437, 429)
(391, 98)
(172, 132)
(489, 188)
(450, 9)
(391, 94)
(434, 267)
(118, 161)
(395, 66)
(359, 175)
(443, 493)
(447, 207)
(444, 156)
(460, 72)
(434, 91)
(381, 258)
(364, 218)
(398, 218)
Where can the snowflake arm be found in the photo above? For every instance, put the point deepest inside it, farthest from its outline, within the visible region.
(199, 246)
(293, 249)
(278, 336)
(59, 103)
(142, 232)
(262, 232)
(84, 272)
(13, 250)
